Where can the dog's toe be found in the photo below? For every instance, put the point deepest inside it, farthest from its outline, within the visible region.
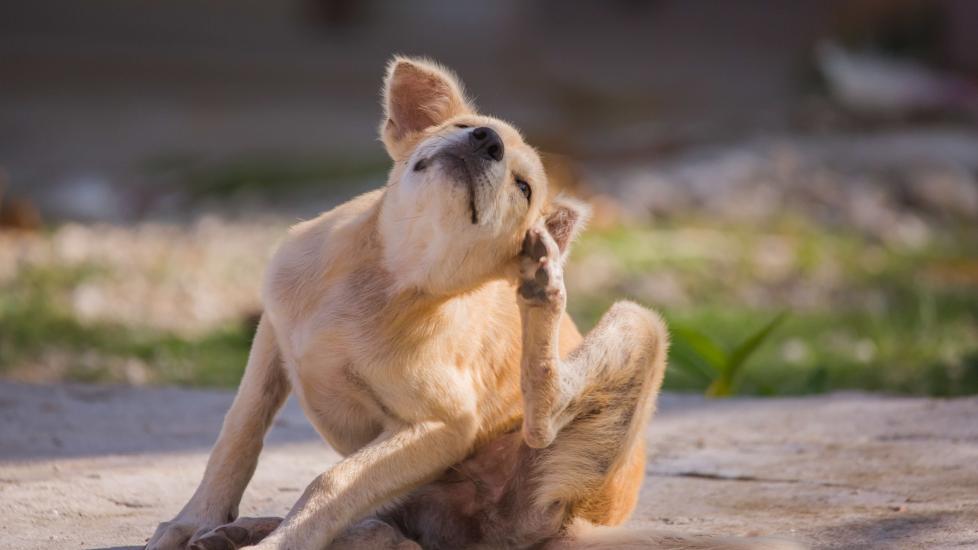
(243, 532)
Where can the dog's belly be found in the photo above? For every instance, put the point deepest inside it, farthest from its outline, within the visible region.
(485, 501)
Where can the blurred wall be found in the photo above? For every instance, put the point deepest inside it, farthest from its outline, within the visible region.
(96, 90)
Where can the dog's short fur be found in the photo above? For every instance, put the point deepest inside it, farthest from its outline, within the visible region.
(420, 326)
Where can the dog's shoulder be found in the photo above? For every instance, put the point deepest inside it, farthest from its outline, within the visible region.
(316, 250)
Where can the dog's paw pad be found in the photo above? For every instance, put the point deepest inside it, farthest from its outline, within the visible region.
(541, 274)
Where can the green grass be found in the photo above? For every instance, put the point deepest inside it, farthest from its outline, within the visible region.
(895, 353)
(35, 327)
(887, 319)
(860, 313)
(701, 356)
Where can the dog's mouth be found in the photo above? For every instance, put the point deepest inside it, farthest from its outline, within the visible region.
(461, 171)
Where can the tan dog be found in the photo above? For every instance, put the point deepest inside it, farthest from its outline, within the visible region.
(420, 325)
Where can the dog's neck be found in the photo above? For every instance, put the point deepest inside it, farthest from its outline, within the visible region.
(405, 313)
(423, 260)
(402, 290)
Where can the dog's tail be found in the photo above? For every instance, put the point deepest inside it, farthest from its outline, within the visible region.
(585, 536)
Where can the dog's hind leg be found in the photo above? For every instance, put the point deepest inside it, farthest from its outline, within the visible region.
(586, 417)
(588, 412)
(596, 463)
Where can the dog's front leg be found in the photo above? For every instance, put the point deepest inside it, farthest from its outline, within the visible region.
(261, 394)
(397, 461)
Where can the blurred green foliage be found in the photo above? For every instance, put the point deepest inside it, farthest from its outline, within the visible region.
(699, 355)
(267, 175)
(36, 330)
(862, 313)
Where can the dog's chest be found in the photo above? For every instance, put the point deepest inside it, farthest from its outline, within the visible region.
(360, 365)
(354, 382)
(341, 407)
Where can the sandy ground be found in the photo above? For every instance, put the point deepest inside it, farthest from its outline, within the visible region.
(98, 467)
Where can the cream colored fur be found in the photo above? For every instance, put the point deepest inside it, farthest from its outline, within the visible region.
(394, 318)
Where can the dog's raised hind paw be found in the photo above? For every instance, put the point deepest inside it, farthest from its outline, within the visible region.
(541, 272)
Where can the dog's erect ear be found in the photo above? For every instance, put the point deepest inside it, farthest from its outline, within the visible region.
(565, 218)
(418, 94)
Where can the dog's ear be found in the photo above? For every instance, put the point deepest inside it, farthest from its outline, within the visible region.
(565, 218)
(418, 94)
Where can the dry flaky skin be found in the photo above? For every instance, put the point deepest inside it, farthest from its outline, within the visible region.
(417, 324)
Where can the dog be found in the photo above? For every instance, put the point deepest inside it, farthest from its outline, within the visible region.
(422, 327)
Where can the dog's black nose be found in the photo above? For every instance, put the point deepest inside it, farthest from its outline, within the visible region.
(486, 143)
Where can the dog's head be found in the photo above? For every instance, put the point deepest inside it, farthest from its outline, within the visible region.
(465, 187)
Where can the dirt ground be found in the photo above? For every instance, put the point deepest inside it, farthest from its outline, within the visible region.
(98, 467)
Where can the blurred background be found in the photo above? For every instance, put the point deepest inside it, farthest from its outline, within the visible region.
(792, 183)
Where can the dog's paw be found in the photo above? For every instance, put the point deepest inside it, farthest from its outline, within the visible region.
(538, 433)
(541, 272)
(239, 534)
(174, 535)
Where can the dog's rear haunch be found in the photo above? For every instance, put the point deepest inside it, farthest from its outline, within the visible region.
(422, 327)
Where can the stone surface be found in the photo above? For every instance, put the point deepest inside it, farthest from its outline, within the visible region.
(98, 467)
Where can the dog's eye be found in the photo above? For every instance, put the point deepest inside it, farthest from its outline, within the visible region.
(462, 126)
(524, 188)
(420, 165)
